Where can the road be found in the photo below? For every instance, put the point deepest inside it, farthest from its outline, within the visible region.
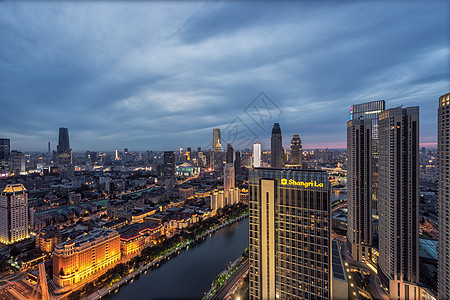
(225, 288)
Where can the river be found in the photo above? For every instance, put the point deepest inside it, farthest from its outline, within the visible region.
(189, 274)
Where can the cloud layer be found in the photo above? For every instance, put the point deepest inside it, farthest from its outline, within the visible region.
(154, 75)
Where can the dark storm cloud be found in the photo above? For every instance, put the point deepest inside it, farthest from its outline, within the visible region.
(154, 75)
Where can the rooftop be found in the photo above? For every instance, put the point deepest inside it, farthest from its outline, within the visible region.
(14, 188)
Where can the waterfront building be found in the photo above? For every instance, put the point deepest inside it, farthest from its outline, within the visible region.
(276, 147)
(398, 196)
(290, 234)
(228, 180)
(217, 200)
(138, 236)
(233, 196)
(444, 196)
(257, 155)
(296, 157)
(168, 164)
(4, 154)
(14, 215)
(83, 257)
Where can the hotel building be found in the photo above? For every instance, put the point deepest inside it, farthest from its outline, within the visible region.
(444, 196)
(14, 217)
(398, 196)
(81, 258)
(290, 234)
(138, 236)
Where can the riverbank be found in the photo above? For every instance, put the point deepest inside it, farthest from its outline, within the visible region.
(158, 261)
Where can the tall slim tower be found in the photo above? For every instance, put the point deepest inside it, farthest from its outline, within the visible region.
(290, 234)
(362, 176)
(237, 162)
(217, 146)
(13, 214)
(169, 164)
(257, 155)
(276, 145)
(296, 150)
(398, 195)
(444, 196)
(230, 154)
(217, 154)
(5, 149)
(64, 153)
(228, 179)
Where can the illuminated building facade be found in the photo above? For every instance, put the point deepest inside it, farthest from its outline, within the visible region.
(444, 196)
(14, 218)
(296, 151)
(139, 236)
(290, 234)
(398, 195)
(276, 147)
(217, 200)
(81, 258)
(257, 155)
(48, 238)
(228, 179)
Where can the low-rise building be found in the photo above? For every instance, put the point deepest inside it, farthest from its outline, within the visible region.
(138, 236)
(48, 238)
(81, 258)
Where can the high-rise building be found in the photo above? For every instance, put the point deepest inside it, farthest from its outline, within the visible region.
(444, 196)
(217, 146)
(228, 179)
(290, 234)
(257, 155)
(83, 257)
(5, 148)
(237, 162)
(16, 162)
(49, 148)
(229, 159)
(64, 154)
(362, 176)
(14, 219)
(398, 196)
(276, 147)
(169, 164)
(296, 151)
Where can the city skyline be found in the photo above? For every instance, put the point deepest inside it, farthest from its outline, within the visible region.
(145, 83)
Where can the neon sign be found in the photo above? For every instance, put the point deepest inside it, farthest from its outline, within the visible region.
(307, 184)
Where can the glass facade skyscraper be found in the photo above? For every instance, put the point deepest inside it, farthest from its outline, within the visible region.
(5, 149)
(276, 147)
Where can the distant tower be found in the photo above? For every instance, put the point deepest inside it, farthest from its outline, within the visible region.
(13, 214)
(4, 153)
(217, 157)
(169, 164)
(230, 154)
(444, 197)
(257, 155)
(228, 179)
(64, 154)
(49, 149)
(237, 162)
(276, 147)
(63, 140)
(216, 140)
(296, 150)
(398, 197)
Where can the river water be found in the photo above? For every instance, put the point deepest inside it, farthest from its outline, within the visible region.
(189, 274)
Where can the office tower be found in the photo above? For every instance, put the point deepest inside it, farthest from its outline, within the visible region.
(13, 214)
(169, 164)
(16, 162)
(63, 140)
(116, 155)
(257, 155)
(188, 153)
(82, 258)
(4, 154)
(229, 159)
(290, 234)
(296, 150)
(49, 149)
(64, 154)
(216, 140)
(398, 196)
(276, 147)
(237, 162)
(444, 197)
(228, 179)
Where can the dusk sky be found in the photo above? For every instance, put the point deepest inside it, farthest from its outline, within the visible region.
(159, 76)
